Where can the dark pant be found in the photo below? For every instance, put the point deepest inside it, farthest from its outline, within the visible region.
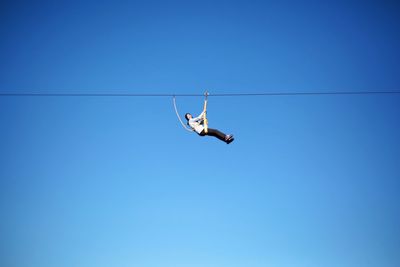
(215, 133)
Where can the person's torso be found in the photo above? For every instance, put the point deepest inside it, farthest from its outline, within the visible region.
(196, 126)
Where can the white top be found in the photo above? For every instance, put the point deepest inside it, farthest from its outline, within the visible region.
(195, 123)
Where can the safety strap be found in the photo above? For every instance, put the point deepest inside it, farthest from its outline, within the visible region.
(205, 113)
(179, 117)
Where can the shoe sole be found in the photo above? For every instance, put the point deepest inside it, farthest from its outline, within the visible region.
(230, 141)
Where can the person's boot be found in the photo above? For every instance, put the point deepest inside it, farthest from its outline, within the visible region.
(229, 138)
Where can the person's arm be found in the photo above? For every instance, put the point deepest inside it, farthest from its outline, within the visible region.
(200, 117)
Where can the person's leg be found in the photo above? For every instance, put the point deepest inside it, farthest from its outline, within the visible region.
(214, 132)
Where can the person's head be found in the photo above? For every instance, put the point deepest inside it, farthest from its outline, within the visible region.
(188, 116)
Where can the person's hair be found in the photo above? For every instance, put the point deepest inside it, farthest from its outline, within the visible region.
(186, 116)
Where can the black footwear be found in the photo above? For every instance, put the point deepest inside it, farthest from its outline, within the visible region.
(229, 138)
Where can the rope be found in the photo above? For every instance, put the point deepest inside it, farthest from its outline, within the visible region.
(205, 113)
(179, 117)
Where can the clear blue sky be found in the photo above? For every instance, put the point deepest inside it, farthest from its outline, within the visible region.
(96, 182)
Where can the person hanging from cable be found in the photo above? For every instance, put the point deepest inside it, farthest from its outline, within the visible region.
(199, 124)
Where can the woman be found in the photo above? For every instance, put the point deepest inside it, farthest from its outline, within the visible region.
(197, 125)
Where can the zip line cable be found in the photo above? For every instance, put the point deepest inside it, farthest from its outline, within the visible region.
(197, 95)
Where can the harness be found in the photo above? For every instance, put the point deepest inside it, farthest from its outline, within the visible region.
(205, 120)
